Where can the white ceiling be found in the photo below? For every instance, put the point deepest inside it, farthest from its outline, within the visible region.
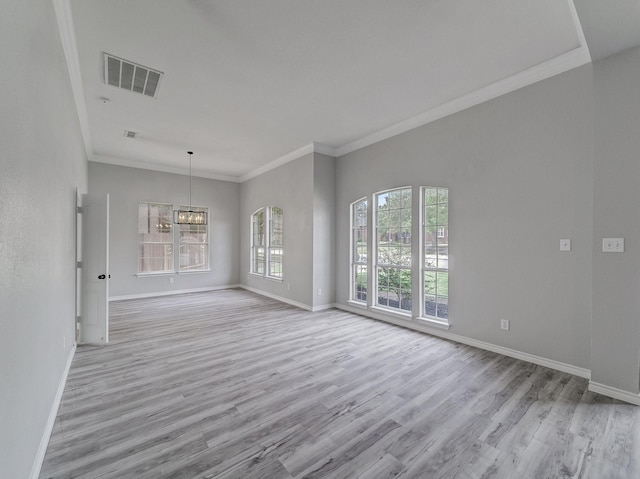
(252, 83)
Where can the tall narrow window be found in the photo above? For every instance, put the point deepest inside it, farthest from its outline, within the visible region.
(276, 251)
(359, 250)
(267, 246)
(436, 252)
(393, 249)
(155, 238)
(258, 256)
(194, 244)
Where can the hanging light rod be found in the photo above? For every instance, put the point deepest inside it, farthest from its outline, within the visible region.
(189, 217)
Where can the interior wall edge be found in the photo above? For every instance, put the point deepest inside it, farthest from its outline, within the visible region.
(279, 298)
(53, 413)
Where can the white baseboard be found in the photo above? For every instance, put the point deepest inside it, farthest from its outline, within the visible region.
(549, 363)
(323, 307)
(278, 298)
(615, 393)
(46, 435)
(172, 292)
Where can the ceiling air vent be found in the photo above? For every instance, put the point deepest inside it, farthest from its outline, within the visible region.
(130, 134)
(131, 76)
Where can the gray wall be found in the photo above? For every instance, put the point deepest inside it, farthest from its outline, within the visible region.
(616, 279)
(129, 186)
(324, 206)
(289, 187)
(305, 189)
(520, 174)
(42, 161)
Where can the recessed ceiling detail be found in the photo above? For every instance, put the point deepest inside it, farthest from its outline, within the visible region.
(131, 76)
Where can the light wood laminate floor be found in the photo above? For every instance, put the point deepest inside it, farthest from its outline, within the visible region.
(229, 384)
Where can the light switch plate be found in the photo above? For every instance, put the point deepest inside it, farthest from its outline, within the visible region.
(565, 245)
(613, 245)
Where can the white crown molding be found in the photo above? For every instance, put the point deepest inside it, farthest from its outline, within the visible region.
(165, 169)
(291, 156)
(578, 26)
(567, 61)
(69, 46)
(572, 59)
(324, 149)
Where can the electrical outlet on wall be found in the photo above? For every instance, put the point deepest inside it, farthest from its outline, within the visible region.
(613, 245)
(504, 324)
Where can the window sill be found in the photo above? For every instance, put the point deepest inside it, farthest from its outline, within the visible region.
(433, 322)
(263, 276)
(357, 304)
(153, 275)
(195, 272)
(390, 312)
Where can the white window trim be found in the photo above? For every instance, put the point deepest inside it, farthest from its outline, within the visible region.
(267, 245)
(353, 263)
(423, 317)
(417, 315)
(176, 240)
(252, 251)
(375, 237)
(172, 243)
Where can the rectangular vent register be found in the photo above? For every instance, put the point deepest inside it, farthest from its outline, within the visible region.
(131, 76)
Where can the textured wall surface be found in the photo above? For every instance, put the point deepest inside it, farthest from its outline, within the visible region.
(42, 161)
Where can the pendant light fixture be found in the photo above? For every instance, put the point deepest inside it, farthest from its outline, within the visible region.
(189, 217)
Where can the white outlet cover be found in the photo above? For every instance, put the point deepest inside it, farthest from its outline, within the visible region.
(565, 245)
(613, 245)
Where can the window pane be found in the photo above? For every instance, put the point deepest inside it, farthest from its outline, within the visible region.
(443, 214)
(275, 233)
(359, 250)
(259, 260)
(194, 244)
(275, 262)
(394, 288)
(436, 252)
(360, 286)
(393, 248)
(430, 215)
(193, 257)
(430, 196)
(155, 238)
